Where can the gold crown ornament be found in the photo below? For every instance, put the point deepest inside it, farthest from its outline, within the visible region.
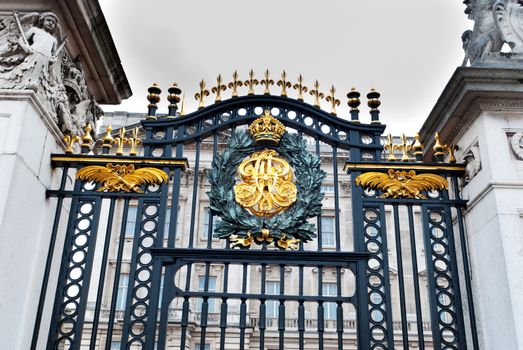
(267, 128)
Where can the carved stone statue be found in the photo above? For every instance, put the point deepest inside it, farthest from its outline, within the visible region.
(496, 22)
(32, 56)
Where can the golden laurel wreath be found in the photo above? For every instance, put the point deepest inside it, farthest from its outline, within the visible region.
(286, 228)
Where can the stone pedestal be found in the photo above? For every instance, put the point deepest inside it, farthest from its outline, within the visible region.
(27, 138)
(481, 110)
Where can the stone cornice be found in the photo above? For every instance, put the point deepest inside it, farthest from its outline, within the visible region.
(30, 96)
(468, 92)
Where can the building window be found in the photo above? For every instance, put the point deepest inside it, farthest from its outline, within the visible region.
(211, 288)
(115, 345)
(206, 219)
(272, 306)
(327, 189)
(327, 231)
(131, 221)
(205, 347)
(121, 297)
(329, 309)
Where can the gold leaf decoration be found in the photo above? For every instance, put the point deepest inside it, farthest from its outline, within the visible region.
(267, 187)
(402, 183)
(124, 178)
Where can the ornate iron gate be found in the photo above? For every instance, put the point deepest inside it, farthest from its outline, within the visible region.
(141, 269)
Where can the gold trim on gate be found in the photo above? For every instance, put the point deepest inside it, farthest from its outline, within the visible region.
(124, 178)
(267, 187)
(402, 183)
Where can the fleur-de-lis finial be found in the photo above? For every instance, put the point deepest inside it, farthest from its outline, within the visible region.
(70, 141)
(267, 81)
(317, 94)
(217, 90)
(134, 142)
(235, 84)
(300, 88)
(200, 96)
(120, 141)
(284, 84)
(87, 140)
(451, 149)
(107, 140)
(390, 147)
(417, 148)
(333, 100)
(405, 149)
(251, 82)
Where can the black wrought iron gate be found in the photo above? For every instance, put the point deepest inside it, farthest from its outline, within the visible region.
(140, 268)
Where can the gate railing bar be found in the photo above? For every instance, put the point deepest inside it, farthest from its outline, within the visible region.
(318, 220)
(243, 308)
(185, 307)
(417, 299)
(339, 309)
(103, 269)
(210, 230)
(281, 309)
(466, 268)
(224, 307)
(336, 197)
(263, 307)
(118, 268)
(301, 309)
(49, 260)
(72, 193)
(394, 201)
(205, 307)
(401, 282)
(321, 328)
(195, 192)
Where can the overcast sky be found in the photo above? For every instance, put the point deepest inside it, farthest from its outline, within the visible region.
(406, 49)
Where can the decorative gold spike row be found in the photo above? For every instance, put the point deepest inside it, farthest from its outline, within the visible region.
(267, 82)
(134, 142)
(317, 94)
(402, 183)
(86, 139)
(235, 84)
(333, 100)
(390, 147)
(300, 88)
(417, 147)
(217, 90)
(405, 149)
(120, 141)
(284, 84)
(200, 96)
(121, 178)
(107, 140)
(441, 149)
(251, 82)
(70, 141)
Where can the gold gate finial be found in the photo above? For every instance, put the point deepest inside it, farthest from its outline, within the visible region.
(417, 148)
(317, 94)
(217, 90)
(235, 84)
(120, 141)
(300, 88)
(251, 82)
(333, 100)
(200, 96)
(134, 142)
(284, 84)
(107, 140)
(405, 149)
(267, 81)
(390, 147)
(70, 141)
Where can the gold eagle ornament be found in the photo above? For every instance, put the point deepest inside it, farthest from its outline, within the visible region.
(402, 183)
(124, 178)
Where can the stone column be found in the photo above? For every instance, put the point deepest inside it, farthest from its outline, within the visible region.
(481, 110)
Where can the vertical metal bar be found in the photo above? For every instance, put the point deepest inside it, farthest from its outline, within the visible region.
(243, 308)
(116, 278)
(103, 269)
(49, 260)
(211, 217)
(318, 218)
(223, 307)
(301, 311)
(263, 307)
(399, 257)
(194, 193)
(205, 307)
(281, 309)
(321, 319)
(415, 277)
(466, 267)
(336, 197)
(339, 309)
(185, 307)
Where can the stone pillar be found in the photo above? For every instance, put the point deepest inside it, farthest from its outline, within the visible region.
(48, 86)
(481, 110)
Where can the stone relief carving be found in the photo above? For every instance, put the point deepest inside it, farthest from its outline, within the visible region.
(516, 143)
(33, 56)
(496, 22)
(472, 159)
